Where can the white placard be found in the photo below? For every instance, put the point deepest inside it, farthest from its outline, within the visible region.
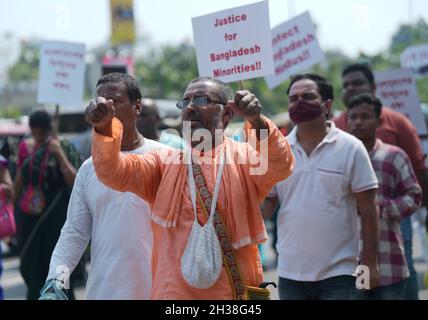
(397, 90)
(62, 70)
(295, 48)
(416, 58)
(234, 44)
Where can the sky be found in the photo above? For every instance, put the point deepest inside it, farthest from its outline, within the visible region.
(348, 25)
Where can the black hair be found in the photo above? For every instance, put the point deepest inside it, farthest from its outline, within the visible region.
(223, 86)
(368, 99)
(40, 118)
(324, 86)
(362, 67)
(134, 91)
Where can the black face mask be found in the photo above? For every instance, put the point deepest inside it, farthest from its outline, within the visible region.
(303, 111)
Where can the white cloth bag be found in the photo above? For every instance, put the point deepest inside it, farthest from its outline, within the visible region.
(202, 260)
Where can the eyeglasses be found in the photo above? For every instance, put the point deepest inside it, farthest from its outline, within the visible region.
(197, 101)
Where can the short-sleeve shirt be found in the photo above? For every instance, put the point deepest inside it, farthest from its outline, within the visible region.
(317, 218)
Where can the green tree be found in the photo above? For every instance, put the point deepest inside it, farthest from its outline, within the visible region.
(409, 35)
(165, 72)
(11, 112)
(27, 66)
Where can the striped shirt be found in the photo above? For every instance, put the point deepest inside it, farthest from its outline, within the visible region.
(398, 196)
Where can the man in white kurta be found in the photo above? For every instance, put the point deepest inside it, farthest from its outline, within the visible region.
(120, 246)
(116, 223)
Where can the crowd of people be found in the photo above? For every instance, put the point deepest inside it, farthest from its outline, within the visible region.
(168, 217)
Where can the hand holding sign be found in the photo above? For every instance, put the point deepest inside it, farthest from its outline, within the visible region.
(246, 105)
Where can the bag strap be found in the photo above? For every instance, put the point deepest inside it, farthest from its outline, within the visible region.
(33, 155)
(192, 187)
(43, 166)
(229, 259)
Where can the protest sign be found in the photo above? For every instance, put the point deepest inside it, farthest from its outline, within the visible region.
(416, 58)
(397, 90)
(295, 49)
(234, 44)
(61, 73)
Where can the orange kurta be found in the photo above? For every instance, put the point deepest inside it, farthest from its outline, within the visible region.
(161, 179)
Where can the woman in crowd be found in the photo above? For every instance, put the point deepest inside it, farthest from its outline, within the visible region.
(46, 171)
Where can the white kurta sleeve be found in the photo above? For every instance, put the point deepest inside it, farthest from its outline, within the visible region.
(76, 232)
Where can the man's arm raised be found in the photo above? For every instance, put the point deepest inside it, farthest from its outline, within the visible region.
(130, 172)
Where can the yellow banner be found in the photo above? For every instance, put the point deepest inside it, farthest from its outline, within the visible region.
(122, 22)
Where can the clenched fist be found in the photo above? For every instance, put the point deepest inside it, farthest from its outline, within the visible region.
(100, 113)
(246, 105)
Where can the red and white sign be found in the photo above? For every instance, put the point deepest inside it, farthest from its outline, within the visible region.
(62, 70)
(397, 90)
(295, 48)
(416, 58)
(127, 61)
(234, 44)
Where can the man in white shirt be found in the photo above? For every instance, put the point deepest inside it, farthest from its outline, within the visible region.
(121, 247)
(317, 219)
